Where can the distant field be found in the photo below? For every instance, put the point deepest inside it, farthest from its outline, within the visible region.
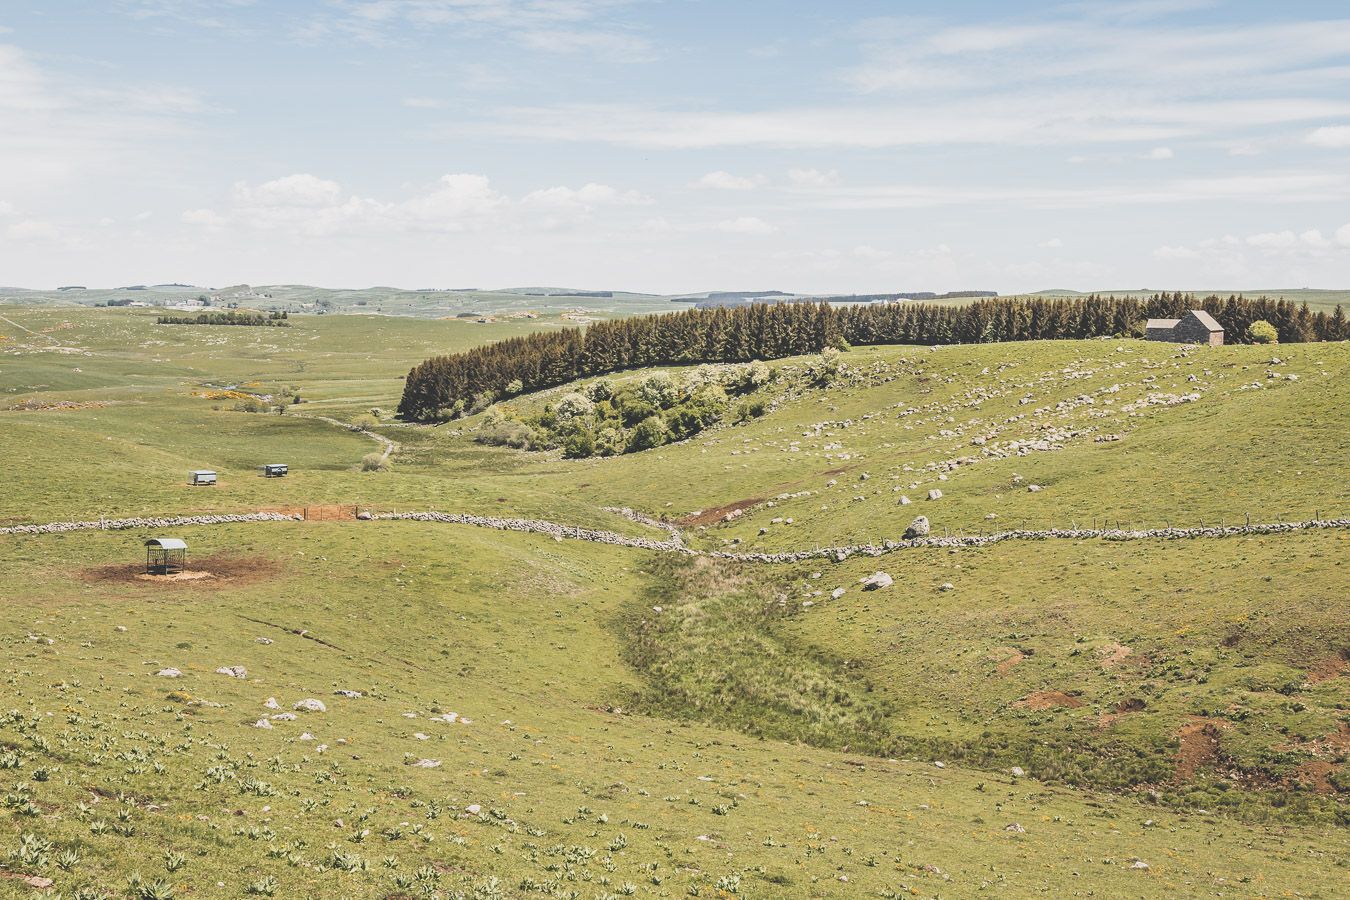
(1315, 298)
(442, 303)
(755, 736)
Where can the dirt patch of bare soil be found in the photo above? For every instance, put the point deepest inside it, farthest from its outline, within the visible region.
(1329, 668)
(1007, 657)
(207, 572)
(720, 514)
(176, 576)
(1113, 654)
(1200, 742)
(1316, 774)
(1048, 700)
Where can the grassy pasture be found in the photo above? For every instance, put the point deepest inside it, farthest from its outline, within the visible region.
(511, 632)
(589, 772)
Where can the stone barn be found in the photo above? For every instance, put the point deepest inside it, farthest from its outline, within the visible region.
(1196, 327)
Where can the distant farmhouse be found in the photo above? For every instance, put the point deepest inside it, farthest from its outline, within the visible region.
(1196, 327)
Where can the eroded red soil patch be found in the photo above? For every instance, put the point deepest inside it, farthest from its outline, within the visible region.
(1329, 668)
(1048, 700)
(1008, 657)
(1200, 740)
(1113, 654)
(713, 516)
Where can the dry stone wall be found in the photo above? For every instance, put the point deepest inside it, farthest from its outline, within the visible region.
(675, 544)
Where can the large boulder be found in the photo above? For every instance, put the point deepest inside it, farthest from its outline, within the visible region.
(876, 581)
(935, 494)
(918, 528)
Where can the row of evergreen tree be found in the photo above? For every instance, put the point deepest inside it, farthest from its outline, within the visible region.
(274, 319)
(443, 386)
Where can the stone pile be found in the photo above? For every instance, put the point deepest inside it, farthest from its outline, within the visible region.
(152, 522)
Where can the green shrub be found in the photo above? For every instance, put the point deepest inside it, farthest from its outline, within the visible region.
(580, 444)
(1262, 332)
(374, 462)
(649, 433)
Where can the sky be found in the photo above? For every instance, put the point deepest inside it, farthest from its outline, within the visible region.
(676, 145)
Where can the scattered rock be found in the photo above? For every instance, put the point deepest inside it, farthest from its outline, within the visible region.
(1140, 865)
(935, 494)
(918, 528)
(1015, 828)
(1017, 771)
(876, 581)
(169, 673)
(309, 704)
(364, 515)
(283, 717)
(271, 703)
(262, 640)
(120, 628)
(262, 723)
(473, 808)
(905, 501)
(427, 764)
(351, 695)
(947, 586)
(233, 671)
(1033, 488)
(837, 593)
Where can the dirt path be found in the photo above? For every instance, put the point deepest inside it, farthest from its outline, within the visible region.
(389, 446)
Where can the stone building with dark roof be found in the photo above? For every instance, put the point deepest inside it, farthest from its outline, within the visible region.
(1196, 327)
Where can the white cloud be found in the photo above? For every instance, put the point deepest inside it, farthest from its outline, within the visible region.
(423, 103)
(1313, 238)
(293, 190)
(1159, 153)
(745, 225)
(552, 26)
(206, 217)
(725, 181)
(306, 204)
(6, 208)
(1334, 136)
(610, 44)
(1062, 117)
(1052, 244)
(1177, 252)
(32, 230)
(1273, 239)
(1281, 187)
(47, 121)
(872, 254)
(591, 195)
(813, 177)
(1343, 235)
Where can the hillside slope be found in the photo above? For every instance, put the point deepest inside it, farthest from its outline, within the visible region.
(507, 714)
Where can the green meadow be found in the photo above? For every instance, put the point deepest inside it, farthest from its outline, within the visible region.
(509, 715)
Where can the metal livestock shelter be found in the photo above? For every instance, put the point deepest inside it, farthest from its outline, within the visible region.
(165, 556)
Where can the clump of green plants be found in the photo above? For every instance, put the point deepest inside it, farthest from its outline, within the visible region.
(607, 419)
(1262, 332)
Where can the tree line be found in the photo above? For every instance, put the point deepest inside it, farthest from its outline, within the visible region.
(446, 386)
(274, 319)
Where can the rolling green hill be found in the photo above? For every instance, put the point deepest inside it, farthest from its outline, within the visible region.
(507, 714)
